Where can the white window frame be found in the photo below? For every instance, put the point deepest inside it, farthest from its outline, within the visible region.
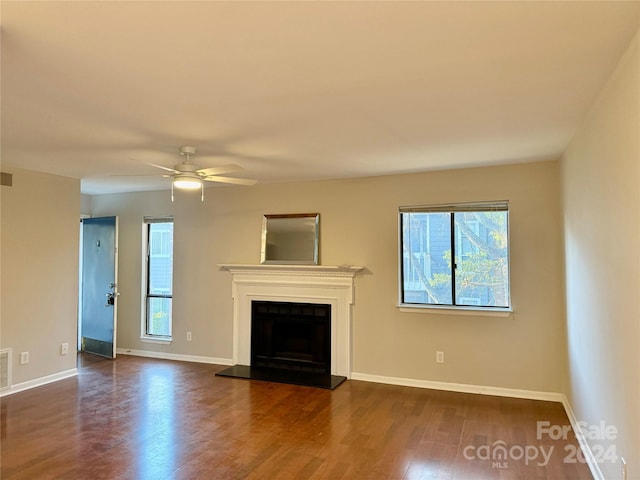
(144, 336)
(476, 310)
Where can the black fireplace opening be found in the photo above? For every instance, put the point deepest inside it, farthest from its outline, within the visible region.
(291, 336)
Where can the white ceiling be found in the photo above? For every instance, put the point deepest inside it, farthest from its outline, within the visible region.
(298, 90)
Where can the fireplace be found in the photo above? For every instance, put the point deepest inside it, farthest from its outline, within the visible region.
(291, 335)
(323, 286)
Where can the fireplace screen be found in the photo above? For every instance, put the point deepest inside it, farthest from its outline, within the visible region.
(291, 335)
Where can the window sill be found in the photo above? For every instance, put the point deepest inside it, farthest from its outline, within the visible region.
(157, 340)
(464, 311)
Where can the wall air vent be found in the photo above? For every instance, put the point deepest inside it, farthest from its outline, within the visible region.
(5, 369)
(6, 179)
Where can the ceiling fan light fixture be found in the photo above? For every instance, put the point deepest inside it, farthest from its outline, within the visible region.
(187, 182)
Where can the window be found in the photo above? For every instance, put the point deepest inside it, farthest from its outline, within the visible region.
(159, 277)
(455, 255)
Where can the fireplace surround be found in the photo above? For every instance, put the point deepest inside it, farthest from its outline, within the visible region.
(309, 284)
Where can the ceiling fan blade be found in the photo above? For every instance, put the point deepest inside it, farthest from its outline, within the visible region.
(163, 168)
(235, 181)
(220, 169)
(136, 174)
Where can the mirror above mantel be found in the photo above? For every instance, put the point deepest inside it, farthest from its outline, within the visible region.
(290, 239)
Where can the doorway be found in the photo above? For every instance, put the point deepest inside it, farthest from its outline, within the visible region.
(97, 312)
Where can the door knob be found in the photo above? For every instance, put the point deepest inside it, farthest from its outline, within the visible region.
(110, 299)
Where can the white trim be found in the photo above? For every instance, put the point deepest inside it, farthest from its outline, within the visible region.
(447, 310)
(174, 356)
(116, 293)
(460, 387)
(38, 382)
(157, 340)
(306, 270)
(582, 441)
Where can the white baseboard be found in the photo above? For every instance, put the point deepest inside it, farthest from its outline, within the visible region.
(38, 382)
(582, 441)
(460, 387)
(174, 356)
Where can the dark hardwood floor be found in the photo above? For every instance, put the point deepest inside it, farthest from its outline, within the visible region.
(136, 418)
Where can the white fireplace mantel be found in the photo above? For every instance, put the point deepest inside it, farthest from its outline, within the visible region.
(293, 269)
(326, 284)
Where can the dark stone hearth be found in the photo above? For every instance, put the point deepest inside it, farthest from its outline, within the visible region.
(279, 375)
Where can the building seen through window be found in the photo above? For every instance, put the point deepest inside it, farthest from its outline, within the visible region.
(455, 255)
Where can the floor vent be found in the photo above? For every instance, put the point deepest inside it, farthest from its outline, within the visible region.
(5, 369)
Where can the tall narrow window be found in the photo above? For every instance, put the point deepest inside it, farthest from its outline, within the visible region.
(159, 277)
(455, 255)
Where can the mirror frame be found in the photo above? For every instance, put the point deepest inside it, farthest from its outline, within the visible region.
(313, 250)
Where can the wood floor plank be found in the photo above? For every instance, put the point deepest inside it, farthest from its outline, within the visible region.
(146, 419)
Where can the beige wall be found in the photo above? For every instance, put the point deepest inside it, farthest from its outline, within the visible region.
(359, 226)
(601, 185)
(39, 257)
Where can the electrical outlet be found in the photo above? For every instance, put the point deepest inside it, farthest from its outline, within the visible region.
(64, 349)
(439, 357)
(24, 358)
(188, 336)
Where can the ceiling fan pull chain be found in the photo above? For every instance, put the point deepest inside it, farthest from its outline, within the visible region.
(202, 191)
(171, 192)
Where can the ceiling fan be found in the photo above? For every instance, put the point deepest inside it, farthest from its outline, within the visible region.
(187, 176)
